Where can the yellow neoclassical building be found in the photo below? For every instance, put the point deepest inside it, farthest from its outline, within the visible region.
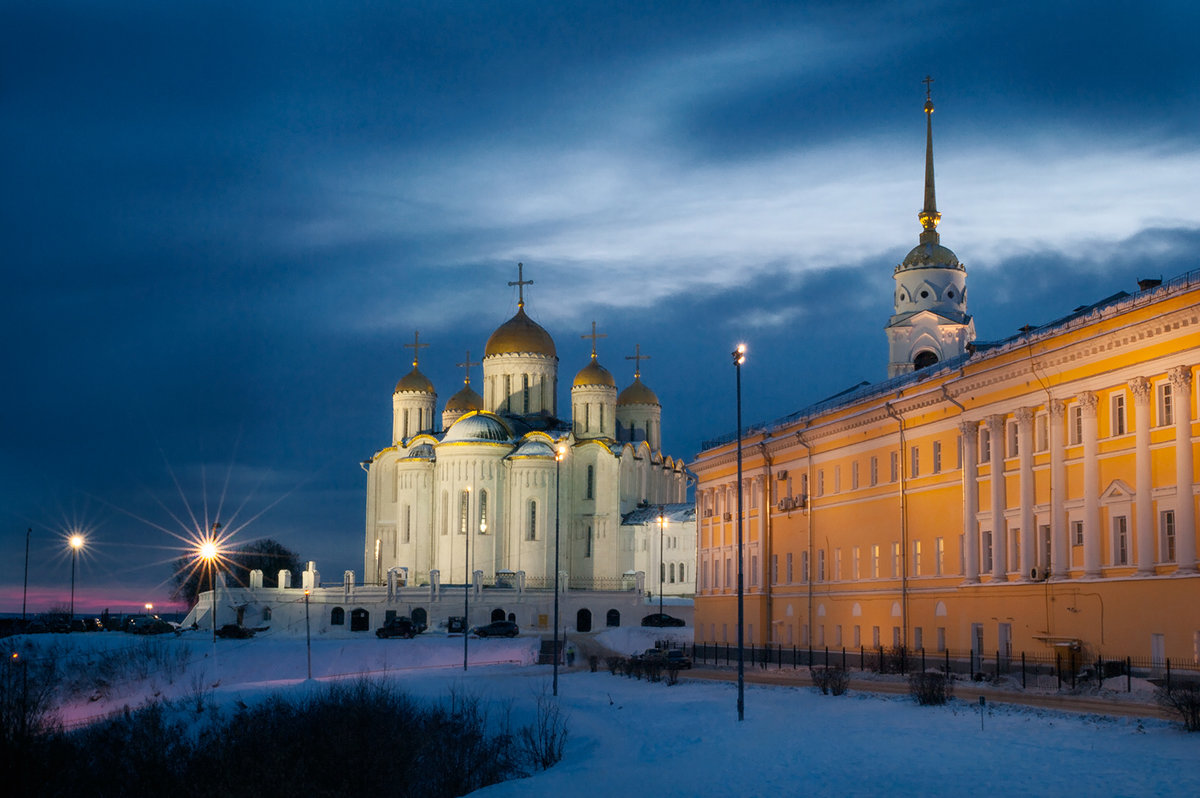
(1036, 494)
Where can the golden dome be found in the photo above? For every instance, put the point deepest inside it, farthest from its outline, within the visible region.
(594, 374)
(520, 334)
(414, 382)
(637, 394)
(930, 255)
(464, 401)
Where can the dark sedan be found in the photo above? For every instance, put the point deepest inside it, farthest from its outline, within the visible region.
(662, 619)
(498, 629)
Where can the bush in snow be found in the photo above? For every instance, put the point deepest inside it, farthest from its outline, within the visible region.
(931, 688)
(1183, 699)
(831, 679)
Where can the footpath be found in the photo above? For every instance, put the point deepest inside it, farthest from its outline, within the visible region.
(1122, 704)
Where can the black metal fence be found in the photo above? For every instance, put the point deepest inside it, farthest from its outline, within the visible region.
(1058, 669)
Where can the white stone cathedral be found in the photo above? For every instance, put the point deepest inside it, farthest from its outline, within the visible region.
(477, 492)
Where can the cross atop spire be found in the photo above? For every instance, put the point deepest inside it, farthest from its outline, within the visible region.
(637, 357)
(467, 365)
(416, 346)
(929, 215)
(594, 336)
(520, 283)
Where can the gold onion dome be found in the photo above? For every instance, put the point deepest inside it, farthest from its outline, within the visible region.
(594, 374)
(637, 394)
(414, 382)
(520, 334)
(464, 401)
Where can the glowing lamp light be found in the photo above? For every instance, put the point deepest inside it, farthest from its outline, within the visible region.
(208, 550)
(149, 607)
(562, 452)
(76, 542)
(739, 354)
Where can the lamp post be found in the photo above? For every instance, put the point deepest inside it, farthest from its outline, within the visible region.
(308, 634)
(558, 458)
(208, 553)
(466, 578)
(76, 542)
(739, 357)
(661, 567)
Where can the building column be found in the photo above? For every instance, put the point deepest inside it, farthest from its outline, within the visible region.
(1060, 550)
(1025, 449)
(970, 488)
(1091, 486)
(1144, 512)
(995, 426)
(1185, 513)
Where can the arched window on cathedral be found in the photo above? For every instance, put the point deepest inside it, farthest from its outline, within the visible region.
(591, 481)
(337, 617)
(601, 429)
(588, 543)
(483, 508)
(682, 572)
(445, 513)
(672, 579)
(525, 394)
(531, 533)
(464, 510)
(404, 429)
(407, 524)
(924, 359)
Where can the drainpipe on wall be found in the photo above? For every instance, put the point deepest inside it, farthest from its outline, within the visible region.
(808, 510)
(903, 530)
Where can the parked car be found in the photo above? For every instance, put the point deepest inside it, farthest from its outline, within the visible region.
(667, 657)
(148, 625)
(498, 629)
(399, 627)
(234, 632)
(662, 619)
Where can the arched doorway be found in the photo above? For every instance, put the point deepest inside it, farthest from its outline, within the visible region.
(360, 620)
(497, 614)
(420, 617)
(337, 617)
(613, 618)
(583, 620)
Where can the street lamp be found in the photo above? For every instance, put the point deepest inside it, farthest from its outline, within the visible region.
(558, 458)
(739, 357)
(149, 608)
(307, 634)
(661, 520)
(76, 542)
(208, 552)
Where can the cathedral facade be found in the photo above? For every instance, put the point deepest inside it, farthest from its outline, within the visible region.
(1036, 494)
(478, 491)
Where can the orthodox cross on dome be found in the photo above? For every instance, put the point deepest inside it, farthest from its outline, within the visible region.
(929, 215)
(416, 346)
(467, 365)
(520, 283)
(594, 336)
(637, 357)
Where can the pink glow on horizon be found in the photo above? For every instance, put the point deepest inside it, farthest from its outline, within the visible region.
(88, 600)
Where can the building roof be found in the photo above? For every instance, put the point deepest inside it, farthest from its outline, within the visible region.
(637, 394)
(414, 382)
(594, 374)
(520, 334)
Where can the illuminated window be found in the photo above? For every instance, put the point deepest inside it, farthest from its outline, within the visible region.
(1120, 533)
(1166, 527)
(1075, 424)
(483, 511)
(1117, 418)
(916, 558)
(464, 511)
(1166, 411)
(1077, 532)
(985, 444)
(821, 565)
(875, 561)
(939, 555)
(895, 558)
(1041, 427)
(985, 550)
(937, 457)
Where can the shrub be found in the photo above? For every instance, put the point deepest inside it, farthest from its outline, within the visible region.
(1183, 699)
(831, 679)
(543, 741)
(931, 688)
(615, 665)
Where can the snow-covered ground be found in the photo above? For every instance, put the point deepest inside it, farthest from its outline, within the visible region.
(634, 738)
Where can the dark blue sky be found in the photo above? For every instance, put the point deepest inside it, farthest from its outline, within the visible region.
(223, 220)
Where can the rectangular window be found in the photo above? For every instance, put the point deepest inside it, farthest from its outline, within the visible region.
(591, 482)
(1077, 533)
(915, 469)
(1075, 424)
(875, 637)
(821, 482)
(1117, 419)
(916, 558)
(1041, 429)
(1045, 547)
(821, 565)
(895, 466)
(804, 566)
(895, 558)
(837, 635)
(874, 471)
(1014, 557)
(918, 638)
(531, 533)
(587, 543)
(939, 554)
(1166, 525)
(941, 638)
(754, 569)
(774, 569)
(857, 635)
(407, 524)
(789, 567)
(525, 394)
(1166, 411)
(854, 563)
(1120, 529)
(1014, 439)
(804, 485)
(821, 634)
(837, 565)
(837, 479)
(728, 571)
(985, 444)
(875, 561)
(937, 457)
(895, 637)
(854, 475)
(985, 550)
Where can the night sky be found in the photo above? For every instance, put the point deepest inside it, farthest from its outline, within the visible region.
(223, 220)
